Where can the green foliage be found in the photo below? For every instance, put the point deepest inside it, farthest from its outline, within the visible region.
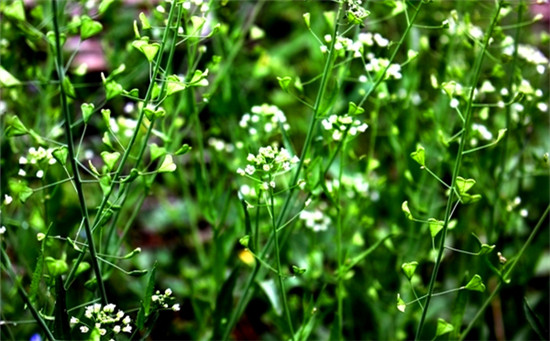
(268, 170)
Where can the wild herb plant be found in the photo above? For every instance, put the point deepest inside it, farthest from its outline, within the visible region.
(247, 170)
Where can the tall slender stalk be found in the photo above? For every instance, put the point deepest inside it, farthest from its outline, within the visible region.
(100, 214)
(247, 293)
(456, 170)
(70, 146)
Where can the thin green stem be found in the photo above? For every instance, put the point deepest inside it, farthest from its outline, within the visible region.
(100, 215)
(247, 293)
(9, 269)
(458, 163)
(278, 259)
(339, 249)
(72, 158)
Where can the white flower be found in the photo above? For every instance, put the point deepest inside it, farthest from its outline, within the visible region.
(102, 331)
(2, 229)
(116, 329)
(324, 49)
(266, 167)
(84, 329)
(127, 329)
(7, 199)
(168, 292)
(74, 320)
(22, 172)
(249, 169)
(176, 307)
(109, 308)
(127, 320)
(454, 103)
(240, 171)
(337, 135)
(23, 160)
(119, 314)
(272, 184)
(265, 186)
(40, 174)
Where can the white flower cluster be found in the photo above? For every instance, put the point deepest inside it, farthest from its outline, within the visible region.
(357, 47)
(36, 156)
(269, 162)
(104, 320)
(163, 300)
(339, 124)
(379, 64)
(315, 220)
(356, 13)
(264, 117)
(526, 52)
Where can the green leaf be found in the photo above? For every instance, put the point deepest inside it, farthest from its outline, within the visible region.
(106, 114)
(167, 165)
(307, 19)
(443, 327)
(87, 111)
(110, 159)
(89, 27)
(353, 109)
(7, 79)
(244, 240)
(297, 270)
(270, 290)
(50, 36)
(137, 273)
(199, 78)
(82, 268)
(61, 154)
(406, 210)
(485, 249)
(149, 291)
(144, 21)
(148, 49)
(401, 305)
(104, 5)
(466, 198)
(56, 267)
(449, 88)
(284, 83)
(153, 114)
(409, 268)
(475, 284)
(15, 10)
(419, 156)
(156, 151)
(14, 126)
(224, 304)
(501, 134)
(535, 321)
(105, 183)
(197, 23)
(68, 87)
(174, 84)
(112, 89)
(463, 185)
(435, 226)
(183, 150)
